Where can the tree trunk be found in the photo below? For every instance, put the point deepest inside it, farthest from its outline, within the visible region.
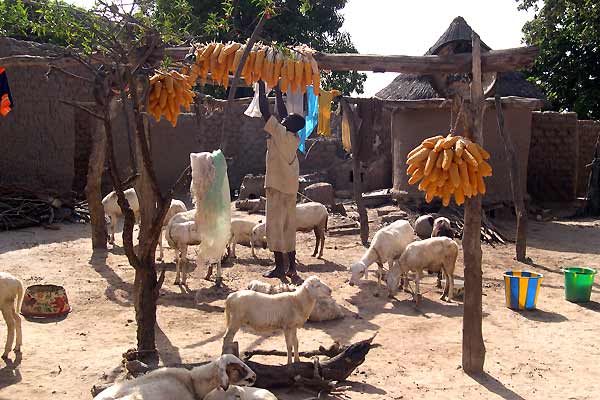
(145, 289)
(473, 356)
(354, 125)
(93, 187)
(515, 183)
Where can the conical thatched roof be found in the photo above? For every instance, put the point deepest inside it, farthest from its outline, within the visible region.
(456, 39)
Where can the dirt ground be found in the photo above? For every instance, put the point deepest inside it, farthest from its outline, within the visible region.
(551, 353)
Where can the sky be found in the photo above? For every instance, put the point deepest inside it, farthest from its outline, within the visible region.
(411, 27)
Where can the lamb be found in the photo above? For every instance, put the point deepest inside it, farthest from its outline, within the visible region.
(387, 244)
(114, 212)
(423, 226)
(11, 298)
(326, 309)
(264, 313)
(176, 207)
(311, 216)
(441, 227)
(183, 384)
(241, 233)
(240, 393)
(181, 232)
(434, 254)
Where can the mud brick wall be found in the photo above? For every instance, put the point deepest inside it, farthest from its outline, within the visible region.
(588, 132)
(553, 157)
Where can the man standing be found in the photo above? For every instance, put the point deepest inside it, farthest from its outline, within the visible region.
(281, 182)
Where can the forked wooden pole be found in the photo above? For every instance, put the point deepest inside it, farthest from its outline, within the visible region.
(473, 356)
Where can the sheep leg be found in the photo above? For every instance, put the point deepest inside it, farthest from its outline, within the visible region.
(230, 332)
(379, 272)
(316, 230)
(160, 245)
(19, 332)
(219, 277)
(449, 287)
(417, 288)
(322, 232)
(111, 228)
(10, 325)
(295, 344)
(181, 261)
(288, 344)
(439, 280)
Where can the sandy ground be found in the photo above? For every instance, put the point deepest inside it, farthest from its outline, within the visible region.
(551, 353)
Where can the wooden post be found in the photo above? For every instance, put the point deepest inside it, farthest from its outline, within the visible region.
(473, 347)
(515, 183)
(354, 125)
(93, 187)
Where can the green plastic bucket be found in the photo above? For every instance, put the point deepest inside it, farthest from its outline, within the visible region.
(578, 283)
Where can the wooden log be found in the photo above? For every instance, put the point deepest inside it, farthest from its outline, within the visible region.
(354, 124)
(473, 348)
(515, 183)
(492, 61)
(426, 104)
(93, 186)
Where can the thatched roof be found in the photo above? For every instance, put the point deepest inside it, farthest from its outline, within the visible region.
(458, 37)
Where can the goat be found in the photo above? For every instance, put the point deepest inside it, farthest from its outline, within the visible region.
(114, 212)
(176, 207)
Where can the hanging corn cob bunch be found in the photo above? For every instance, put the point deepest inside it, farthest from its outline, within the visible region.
(296, 68)
(169, 92)
(446, 166)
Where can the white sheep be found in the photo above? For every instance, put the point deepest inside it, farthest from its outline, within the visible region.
(114, 212)
(423, 226)
(11, 298)
(240, 393)
(326, 309)
(265, 313)
(433, 254)
(181, 232)
(176, 207)
(241, 233)
(311, 216)
(183, 384)
(387, 244)
(441, 227)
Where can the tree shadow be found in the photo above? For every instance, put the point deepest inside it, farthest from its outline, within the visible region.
(167, 352)
(582, 238)
(27, 238)
(495, 386)
(98, 262)
(213, 338)
(541, 315)
(10, 373)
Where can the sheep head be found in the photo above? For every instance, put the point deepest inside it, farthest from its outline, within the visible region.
(317, 288)
(259, 235)
(358, 271)
(233, 371)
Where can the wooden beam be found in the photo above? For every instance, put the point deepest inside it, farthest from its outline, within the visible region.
(515, 183)
(492, 61)
(473, 348)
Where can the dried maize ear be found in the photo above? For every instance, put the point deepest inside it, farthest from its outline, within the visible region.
(480, 184)
(155, 78)
(440, 159)
(412, 168)
(289, 66)
(464, 176)
(457, 159)
(459, 196)
(472, 176)
(298, 74)
(484, 154)
(439, 145)
(469, 158)
(231, 48)
(238, 57)
(156, 89)
(454, 175)
(416, 176)
(485, 169)
(163, 98)
(419, 156)
(450, 141)
(431, 160)
(435, 174)
(432, 140)
(442, 178)
(460, 147)
(447, 160)
(414, 151)
(207, 52)
(169, 83)
(308, 75)
(258, 63)
(316, 80)
(472, 148)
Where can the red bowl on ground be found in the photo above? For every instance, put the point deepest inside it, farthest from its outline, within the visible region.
(45, 301)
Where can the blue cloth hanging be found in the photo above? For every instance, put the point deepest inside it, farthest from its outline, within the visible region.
(311, 117)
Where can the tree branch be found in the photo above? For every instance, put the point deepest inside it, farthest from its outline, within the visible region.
(82, 107)
(67, 73)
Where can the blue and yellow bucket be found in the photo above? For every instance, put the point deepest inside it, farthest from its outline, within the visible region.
(522, 288)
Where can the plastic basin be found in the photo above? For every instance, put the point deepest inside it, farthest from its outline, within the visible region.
(578, 283)
(522, 288)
